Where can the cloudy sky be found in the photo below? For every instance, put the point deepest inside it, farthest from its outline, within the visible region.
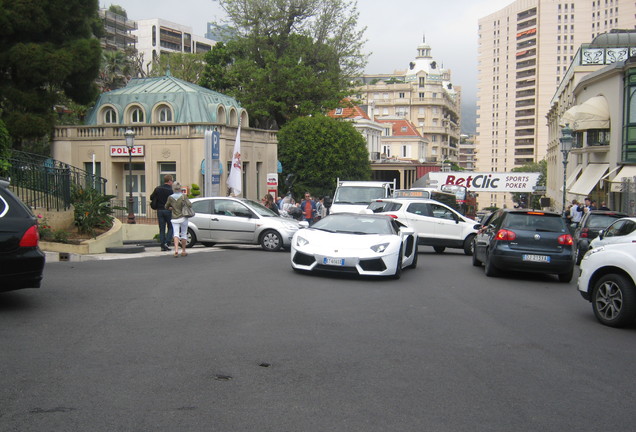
(394, 29)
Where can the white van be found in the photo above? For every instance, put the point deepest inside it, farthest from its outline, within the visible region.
(354, 196)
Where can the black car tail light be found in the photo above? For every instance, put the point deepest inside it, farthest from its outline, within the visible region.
(30, 237)
(565, 239)
(505, 235)
(584, 232)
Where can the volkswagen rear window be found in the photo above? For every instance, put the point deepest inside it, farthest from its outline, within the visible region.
(536, 222)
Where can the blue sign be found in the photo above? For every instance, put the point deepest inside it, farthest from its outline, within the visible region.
(216, 144)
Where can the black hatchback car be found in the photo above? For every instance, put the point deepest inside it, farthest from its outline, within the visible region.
(591, 224)
(525, 241)
(21, 260)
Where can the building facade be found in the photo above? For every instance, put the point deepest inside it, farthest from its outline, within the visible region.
(524, 53)
(169, 118)
(117, 31)
(596, 100)
(425, 96)
(156, 36)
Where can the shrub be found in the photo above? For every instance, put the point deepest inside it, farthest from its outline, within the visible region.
(92, 210)
(195, 191)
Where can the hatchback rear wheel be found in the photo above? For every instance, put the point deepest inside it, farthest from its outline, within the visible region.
(489, 268)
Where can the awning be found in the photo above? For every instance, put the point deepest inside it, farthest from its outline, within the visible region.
(592, 114)
(590, 176)
(571, 177)
(627, 172)
(568, 117)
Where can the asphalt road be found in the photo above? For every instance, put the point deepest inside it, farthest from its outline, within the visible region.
(233, 340)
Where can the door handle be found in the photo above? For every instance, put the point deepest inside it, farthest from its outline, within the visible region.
(215, 219)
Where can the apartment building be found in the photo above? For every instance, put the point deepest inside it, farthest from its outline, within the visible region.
(424, 95)
(525, 50)
(117, 31)
(158, 36)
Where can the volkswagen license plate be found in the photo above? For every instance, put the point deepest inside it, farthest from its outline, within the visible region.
(333, 261)
(536, 258)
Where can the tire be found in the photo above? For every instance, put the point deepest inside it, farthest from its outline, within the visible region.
(489, 268)
(414, 263)
(208, 244)
(398, 266)
(566, 277)
(614, 300)
(476, 262)
(192, 239)
(578, 256)
(439, 249)
(271, 241)
(469, 246)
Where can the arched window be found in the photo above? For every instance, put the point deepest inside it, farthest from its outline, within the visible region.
(164, 114)
(109, 116)
(136, 115)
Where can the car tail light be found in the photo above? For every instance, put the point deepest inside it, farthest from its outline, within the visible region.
(536, 213)
(505, 235)
(393, 216)
(584, 232)
(30, 237)
(565, 239)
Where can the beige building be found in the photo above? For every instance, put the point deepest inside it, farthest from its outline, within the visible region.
(596, 100)
(425, 96)
(169, 118)
(524, 53)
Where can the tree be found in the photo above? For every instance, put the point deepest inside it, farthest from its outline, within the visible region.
(318, 150)
(521, 198)
(47, 48)
(185, 66)
(287, 58)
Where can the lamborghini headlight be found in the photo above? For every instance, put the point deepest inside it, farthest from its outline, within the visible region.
(301, 241)
(379, 248)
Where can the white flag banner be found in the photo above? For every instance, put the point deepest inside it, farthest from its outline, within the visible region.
(235, 179)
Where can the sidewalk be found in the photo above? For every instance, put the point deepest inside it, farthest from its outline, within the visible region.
(143, 250)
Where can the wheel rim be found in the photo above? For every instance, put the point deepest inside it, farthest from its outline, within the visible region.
(271, 241)
(609, 300)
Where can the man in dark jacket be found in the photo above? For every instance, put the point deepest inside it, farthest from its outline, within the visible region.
(158, 200)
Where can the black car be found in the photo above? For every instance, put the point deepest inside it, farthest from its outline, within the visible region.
(21, 260)
(525, 241)
(591, 224)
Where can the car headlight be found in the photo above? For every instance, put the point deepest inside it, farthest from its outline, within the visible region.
(301, 241)
(379, 248)
(591, 252)
(290, 225)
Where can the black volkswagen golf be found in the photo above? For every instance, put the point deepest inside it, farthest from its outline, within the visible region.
(21, 260)
(525, 241)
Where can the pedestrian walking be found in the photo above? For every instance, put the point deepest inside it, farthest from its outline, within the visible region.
(176, 202)
(158, 199)
(576, 213)
(308, 207)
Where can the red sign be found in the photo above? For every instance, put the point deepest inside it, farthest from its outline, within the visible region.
(122, 150)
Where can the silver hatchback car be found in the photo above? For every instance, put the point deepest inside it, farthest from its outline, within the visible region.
(238, 220)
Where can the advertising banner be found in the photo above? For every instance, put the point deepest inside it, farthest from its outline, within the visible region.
(485, 181)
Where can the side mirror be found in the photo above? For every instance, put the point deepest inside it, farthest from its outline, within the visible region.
(477, 227)
(303, 224)
(601, 234)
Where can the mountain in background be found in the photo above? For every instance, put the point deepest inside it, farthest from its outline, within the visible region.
(469, 118)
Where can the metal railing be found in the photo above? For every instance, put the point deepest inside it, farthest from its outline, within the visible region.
(46, 183)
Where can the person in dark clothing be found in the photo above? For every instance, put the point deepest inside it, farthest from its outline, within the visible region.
(158, 200)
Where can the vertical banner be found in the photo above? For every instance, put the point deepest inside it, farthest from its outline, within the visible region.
(235, 178)
(211, 164)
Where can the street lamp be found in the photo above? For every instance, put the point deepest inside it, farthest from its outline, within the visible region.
(130, 143)
(566, 145)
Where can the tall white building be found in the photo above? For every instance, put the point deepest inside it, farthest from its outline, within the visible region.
(157, 36)
(524, 52)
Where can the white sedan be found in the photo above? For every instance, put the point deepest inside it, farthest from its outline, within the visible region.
(622, 230)
(364, 244)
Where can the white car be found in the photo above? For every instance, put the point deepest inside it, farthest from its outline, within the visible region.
(436, 224)
(620, 231)
(238, 220)
(363, 244)
(608, 277)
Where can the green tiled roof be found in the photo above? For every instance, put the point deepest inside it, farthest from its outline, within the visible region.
(190, 103)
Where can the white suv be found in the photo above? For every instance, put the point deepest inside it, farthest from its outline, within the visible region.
(608, 276)
(436, 224)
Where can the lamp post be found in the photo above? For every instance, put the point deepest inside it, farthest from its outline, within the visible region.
(130, 143)
(566, 145)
